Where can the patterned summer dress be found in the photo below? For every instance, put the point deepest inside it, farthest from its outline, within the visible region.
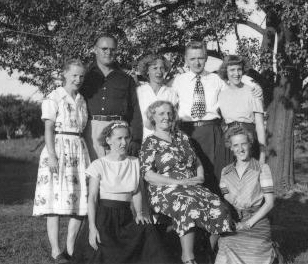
(188, 206)
(64, 193)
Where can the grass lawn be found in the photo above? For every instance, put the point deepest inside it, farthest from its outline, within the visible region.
(23, 238)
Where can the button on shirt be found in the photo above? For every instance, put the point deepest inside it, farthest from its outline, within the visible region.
(114, 94)
(184, 86)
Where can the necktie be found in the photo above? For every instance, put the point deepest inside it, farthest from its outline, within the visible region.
(198, 107)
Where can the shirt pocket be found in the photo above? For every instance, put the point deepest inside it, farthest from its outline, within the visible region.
(119, 92)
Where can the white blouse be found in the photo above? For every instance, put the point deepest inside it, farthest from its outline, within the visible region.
(146, 96)
(115, 177)
(239, 105)
(68, 114)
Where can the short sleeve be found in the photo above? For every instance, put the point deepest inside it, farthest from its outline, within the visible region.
(49, 109)
(222, 184)
(266, 180)
(94, 170)
(257, 105)
(221, 83)
(147, 156)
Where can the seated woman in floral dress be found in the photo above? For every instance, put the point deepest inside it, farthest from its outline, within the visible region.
(174, 176)
(248, 186)
(112, 234)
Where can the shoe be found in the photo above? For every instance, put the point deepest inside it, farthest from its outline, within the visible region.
(191, 261)
(66, 255)
(60, 259)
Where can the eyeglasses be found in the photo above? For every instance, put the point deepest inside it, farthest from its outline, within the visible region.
(105, 49)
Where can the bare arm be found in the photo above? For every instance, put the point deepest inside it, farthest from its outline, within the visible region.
(259, 120)
(158, 179)
(50, 145)
(137, 202)
(264, 210)
(92, 200)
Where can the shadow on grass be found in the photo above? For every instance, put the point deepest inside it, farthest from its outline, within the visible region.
(290, 226)
(17, 180)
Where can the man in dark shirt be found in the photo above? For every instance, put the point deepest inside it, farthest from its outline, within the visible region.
(111, 95)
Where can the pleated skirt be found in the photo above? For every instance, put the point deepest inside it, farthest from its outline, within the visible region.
(122, 240)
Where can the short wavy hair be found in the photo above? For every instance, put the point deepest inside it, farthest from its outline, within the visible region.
(68, 63)
(231, 60)
(151, 110)
(237, 130)
(196, 45)
(108, 132)
(147, 61)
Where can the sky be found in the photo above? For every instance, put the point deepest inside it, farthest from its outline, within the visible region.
(11, 84)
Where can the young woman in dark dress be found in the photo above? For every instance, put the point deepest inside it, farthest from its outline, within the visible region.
(112, 233)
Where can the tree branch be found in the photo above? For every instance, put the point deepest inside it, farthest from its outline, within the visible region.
(253, 26)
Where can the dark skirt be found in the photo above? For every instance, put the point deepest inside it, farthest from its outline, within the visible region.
(122, 240)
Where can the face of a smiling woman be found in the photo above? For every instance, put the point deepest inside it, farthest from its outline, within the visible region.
(157, 71)
(241, 146)
(163, 117)
(73, 77)
(235, 74)
(119, 140)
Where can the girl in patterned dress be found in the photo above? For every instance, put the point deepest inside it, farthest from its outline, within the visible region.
(61, 183)
(248, 186)
(174, 175)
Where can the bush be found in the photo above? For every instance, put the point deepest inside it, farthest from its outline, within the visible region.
(20, 115)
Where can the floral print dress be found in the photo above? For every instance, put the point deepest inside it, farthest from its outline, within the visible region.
(64, 193)
(188, 206)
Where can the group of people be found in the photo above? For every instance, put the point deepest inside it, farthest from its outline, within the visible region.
(155, 150)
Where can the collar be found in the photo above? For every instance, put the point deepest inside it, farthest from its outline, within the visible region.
(94, 68)
(253, 165)
(63, 93)
(193, 75)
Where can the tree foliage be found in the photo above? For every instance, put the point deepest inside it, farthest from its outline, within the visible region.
(37, 35)
(17, 114)
(57, 29)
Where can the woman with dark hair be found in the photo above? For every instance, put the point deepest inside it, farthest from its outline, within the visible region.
(238, 106)
(248, 186)
(112, 234)
(174, 175)
(61, 183)
(153, 69)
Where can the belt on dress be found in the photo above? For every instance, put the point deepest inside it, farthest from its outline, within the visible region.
(200, 122)
(106, 117)
(69, 133)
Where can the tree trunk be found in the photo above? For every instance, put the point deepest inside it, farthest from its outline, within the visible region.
(280, 128)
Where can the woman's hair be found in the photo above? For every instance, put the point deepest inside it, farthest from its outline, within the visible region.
(231, 60)
(237, 130)
(67, 64)
(151, 110)
(147, 61)
(108, 131)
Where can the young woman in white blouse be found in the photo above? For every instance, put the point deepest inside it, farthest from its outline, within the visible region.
(153, 68)
(113, 234)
